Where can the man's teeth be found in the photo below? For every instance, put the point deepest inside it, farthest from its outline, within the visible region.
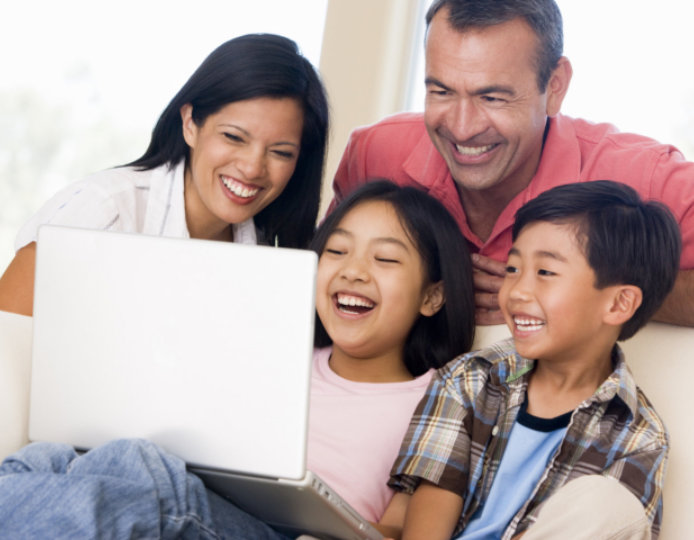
(239, 189)
(528, 325)
(473, 150)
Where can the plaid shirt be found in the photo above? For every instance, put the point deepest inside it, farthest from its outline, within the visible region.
(460, 429)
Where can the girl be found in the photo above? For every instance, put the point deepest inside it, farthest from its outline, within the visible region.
(393, 299)
(237, 155)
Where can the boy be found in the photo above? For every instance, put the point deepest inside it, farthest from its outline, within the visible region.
(501, 431)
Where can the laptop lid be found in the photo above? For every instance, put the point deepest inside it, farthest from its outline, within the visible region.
(187, 343)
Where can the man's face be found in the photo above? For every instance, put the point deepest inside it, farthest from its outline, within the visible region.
(484, 111)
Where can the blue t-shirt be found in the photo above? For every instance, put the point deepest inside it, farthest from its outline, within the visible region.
(531, 445)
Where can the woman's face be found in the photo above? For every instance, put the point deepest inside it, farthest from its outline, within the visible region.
(241, 159)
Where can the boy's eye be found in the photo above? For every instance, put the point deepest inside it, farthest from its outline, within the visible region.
(511, 269)
(543, 272)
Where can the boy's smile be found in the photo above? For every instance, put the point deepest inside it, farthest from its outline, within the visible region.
(548, 297)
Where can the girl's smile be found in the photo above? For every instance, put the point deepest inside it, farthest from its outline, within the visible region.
(371, 286)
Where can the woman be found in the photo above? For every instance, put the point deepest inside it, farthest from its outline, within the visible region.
(237, 155)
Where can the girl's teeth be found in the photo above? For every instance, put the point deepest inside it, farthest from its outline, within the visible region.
(351, 301)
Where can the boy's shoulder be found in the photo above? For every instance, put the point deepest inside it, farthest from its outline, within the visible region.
(642, 420)
(499, 362)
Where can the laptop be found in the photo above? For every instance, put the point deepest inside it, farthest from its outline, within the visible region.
(202, 347)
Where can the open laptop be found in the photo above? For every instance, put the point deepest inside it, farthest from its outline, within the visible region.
(202, 347)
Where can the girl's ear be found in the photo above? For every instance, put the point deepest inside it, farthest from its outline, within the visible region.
(434, 299)
(625, 301)
(190, 129)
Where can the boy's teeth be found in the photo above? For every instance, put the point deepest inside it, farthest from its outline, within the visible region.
(524, 323)
(473, 150)
(238, 189)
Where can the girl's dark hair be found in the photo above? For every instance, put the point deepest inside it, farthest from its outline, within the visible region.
(247, 67)
(433, 341)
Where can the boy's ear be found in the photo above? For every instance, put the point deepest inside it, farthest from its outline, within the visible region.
(625, 301)
(434, 299)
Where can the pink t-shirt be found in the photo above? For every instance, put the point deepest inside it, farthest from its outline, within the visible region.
(355, 431)
(398, 148)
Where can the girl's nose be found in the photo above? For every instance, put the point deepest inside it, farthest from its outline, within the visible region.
(355, 269)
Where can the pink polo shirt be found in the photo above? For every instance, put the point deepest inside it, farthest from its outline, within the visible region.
(398, 148)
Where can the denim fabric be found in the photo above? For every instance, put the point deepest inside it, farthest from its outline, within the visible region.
(124, 489)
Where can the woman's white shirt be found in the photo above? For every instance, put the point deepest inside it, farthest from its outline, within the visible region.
(124, 199)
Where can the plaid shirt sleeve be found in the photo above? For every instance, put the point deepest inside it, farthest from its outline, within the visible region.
(437, 445)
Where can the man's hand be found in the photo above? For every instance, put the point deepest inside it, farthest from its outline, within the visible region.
(488, 275)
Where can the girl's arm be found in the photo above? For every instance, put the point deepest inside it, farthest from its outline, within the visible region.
(17, 283)
(432, 513)
(393, 518)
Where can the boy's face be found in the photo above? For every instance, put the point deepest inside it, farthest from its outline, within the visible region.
(548, 297)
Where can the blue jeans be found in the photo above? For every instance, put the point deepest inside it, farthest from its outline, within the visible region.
(124, 489)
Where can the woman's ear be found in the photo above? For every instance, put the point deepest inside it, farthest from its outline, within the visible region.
(625, 301)
(190, 128)
(433, 301)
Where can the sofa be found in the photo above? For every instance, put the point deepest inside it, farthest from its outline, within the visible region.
(661, 357)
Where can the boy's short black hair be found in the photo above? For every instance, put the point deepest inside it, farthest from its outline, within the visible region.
(625, 239)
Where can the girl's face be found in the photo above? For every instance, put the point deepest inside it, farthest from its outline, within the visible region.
(371, 285)
(241, 159)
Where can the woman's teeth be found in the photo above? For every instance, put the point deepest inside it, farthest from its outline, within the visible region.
(239, 189)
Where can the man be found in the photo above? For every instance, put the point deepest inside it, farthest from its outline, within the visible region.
(492, 137)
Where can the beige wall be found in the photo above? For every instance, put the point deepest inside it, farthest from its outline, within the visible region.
(368, 51)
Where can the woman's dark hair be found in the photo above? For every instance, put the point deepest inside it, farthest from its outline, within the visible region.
(435, 340)
(247, 67)
(625, 239)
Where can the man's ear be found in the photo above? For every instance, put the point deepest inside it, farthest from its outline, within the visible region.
(558, 85)
(190, 128)
(434, 299)
(625, 301)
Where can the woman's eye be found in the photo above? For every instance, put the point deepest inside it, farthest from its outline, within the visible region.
(233, 137)
(284, 154)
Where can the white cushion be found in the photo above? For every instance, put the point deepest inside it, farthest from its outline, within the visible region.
(15, 370)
